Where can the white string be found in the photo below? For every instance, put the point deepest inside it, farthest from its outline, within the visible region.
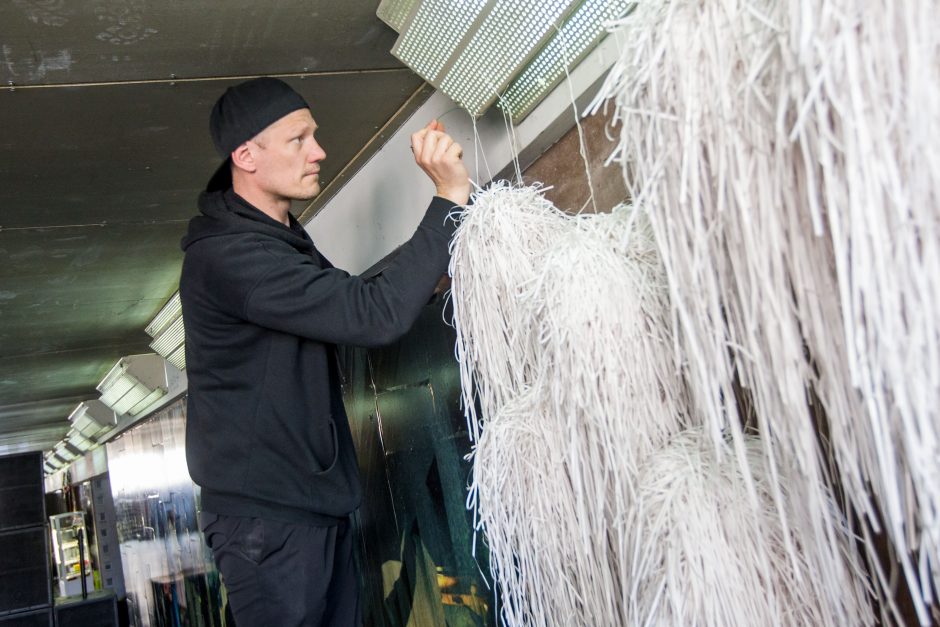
(582, 145)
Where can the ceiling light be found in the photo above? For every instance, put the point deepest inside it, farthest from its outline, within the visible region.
(395, 12)
(134, 383)
(65, 452)
(471, 50)
(169, 344)
(92, 419)
(580, 33)
(79, 441)
(168, 332)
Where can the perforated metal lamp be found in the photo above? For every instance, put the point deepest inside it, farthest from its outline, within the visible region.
(581, 32)
(92, 419)
(66, 452)
(476, 51)
(134, 383)
(395, 12)
(168, 333)
(52, 462)
(79, 441)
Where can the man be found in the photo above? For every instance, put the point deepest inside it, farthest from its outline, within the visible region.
(267, 437)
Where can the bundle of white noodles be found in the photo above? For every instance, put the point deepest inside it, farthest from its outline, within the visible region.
(867, 123)
(554, 468)
(493, 255)
(525, 506)
(608, 375)
(701, 92)
(693, 534)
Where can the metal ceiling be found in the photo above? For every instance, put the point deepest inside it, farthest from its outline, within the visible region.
(104, 148)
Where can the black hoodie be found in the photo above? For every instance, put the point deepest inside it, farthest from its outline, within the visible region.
(266, 432)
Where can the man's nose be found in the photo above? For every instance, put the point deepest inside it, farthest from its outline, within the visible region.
(317, 154)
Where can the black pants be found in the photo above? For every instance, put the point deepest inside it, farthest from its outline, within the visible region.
(285, 575)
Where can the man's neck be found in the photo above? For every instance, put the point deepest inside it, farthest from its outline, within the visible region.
(275, 208)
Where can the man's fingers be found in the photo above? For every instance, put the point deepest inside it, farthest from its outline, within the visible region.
(442, 147)
(431, 141)
(417, 141)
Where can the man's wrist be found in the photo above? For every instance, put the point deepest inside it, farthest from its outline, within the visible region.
(457, 195)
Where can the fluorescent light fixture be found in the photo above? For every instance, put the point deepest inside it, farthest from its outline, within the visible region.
(134, 383)
(395, 12)
(168, 332)
(169, 344)
(79, 441)
(580, 33)
(178, 357)
(165, 317)
(65, 452)
(52, 464)
(476, 51)
(471, 50)
(139, 399)
(52, 461)
(92, 419)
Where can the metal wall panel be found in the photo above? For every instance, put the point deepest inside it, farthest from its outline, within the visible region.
(169, 575)
(416, 534)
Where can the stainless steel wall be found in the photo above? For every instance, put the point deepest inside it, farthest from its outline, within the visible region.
(168, 570)
(411, 437)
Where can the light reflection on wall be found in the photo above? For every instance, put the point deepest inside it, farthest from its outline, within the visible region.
(168, 570)
(138, 470)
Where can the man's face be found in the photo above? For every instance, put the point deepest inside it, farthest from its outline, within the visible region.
(288, 157)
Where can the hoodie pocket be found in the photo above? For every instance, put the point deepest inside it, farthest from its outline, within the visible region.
(332, 454)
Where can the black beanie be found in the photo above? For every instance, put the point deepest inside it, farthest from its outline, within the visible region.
(243, 111)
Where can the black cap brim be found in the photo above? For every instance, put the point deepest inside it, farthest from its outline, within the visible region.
(222, 178)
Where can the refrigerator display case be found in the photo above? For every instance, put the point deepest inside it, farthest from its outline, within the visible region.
(70, 553)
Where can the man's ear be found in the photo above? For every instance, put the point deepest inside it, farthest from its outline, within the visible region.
(243, 158)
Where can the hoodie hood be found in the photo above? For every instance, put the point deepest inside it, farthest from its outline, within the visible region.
(226, 213)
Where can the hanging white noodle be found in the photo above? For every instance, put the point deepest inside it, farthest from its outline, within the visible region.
(492, 256)
(868, 124)
(607, 371)
(699, 89)
(525, 506)
(693, 535)
(554, 468)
